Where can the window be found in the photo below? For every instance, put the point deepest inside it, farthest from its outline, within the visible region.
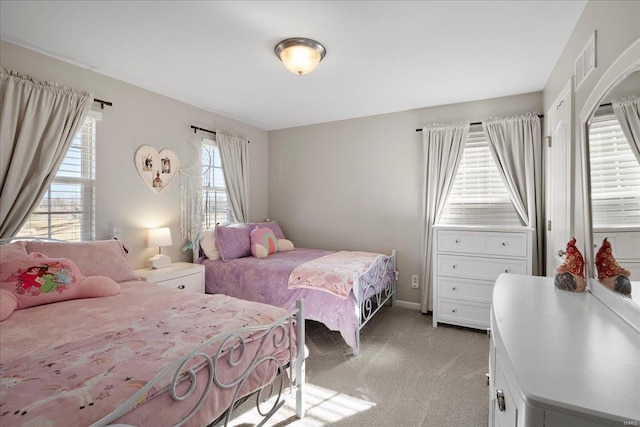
(215, 207)
(66, 211)
(478, 196)
(615, 175)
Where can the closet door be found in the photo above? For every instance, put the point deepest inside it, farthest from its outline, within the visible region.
(558, 186)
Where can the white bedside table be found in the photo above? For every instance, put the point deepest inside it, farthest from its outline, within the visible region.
(180, 275)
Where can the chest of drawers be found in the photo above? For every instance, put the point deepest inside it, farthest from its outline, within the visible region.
(468, 260)
(179, 275)
(559, 359)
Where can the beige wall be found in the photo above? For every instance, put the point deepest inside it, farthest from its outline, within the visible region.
(357, 184)
(140, 117)
(618, 26)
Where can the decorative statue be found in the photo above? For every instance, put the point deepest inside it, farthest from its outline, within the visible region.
(570, 274)
(610, 273)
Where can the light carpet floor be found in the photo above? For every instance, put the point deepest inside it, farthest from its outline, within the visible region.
(408, 374)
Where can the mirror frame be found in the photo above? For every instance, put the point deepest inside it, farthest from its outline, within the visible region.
(627, 63)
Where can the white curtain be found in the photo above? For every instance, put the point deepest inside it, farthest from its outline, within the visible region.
(191, 202)
(38, 121)
(628, 113)
(443, 146)
(516, 147)
(234, 155)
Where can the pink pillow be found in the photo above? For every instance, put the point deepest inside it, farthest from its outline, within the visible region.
(39, 280)
(263, 242)
(15, 250)
(273, 225)
(96, 258)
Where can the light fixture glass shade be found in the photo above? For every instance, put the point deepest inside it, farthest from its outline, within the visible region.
(300, 55)
(160, 237)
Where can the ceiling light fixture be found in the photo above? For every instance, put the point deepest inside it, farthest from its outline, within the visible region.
(300, 55)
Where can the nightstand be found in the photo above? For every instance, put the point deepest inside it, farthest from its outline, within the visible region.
(179, 275)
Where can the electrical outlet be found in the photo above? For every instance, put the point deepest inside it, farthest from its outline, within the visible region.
(414, 281)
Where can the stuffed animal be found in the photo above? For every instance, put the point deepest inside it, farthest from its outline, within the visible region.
(570, 274)
(610, 273)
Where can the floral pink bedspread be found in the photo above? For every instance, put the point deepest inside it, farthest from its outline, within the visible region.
(333, 273)
(83, 358)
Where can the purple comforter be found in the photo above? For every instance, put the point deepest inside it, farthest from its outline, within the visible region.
(265, 280)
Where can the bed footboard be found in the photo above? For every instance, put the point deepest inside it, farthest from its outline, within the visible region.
(230, 349)
(372, 289)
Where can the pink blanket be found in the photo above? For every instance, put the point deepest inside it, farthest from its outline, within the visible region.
(333, 273)
(73, 362)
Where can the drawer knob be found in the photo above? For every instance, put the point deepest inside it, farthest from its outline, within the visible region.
(180, 286)
(506, 270)
(454, 288)
(457, 240)
(504, 243)
(500, 399)
(454, 310)
(454, 266)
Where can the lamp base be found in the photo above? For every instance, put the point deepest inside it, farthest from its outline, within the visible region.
(159, 261)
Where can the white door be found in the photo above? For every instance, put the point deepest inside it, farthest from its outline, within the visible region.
(559, 190)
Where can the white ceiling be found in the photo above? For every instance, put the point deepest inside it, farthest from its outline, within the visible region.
(382, 56)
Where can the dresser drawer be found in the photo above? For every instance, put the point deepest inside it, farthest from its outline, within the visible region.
(471, 290)
(479, 267)
(510, 244)
(192, 282)
(464, 313)
(456, 241)
(483, 242)
(505, 414)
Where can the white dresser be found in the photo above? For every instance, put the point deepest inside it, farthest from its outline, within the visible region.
(179, 275)
(559, 358)
(467, 261)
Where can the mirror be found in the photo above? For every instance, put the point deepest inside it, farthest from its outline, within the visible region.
(615, 188)
(611, 182)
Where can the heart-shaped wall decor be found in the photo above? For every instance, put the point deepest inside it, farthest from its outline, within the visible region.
(156, 169)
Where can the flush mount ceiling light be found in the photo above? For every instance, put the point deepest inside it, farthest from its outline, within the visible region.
(300, 55)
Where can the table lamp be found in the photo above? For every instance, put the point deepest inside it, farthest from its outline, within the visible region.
(160, 237)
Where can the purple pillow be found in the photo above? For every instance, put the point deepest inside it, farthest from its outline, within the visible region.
(273, 225)
(233, 242)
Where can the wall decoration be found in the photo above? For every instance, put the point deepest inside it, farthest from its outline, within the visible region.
(156, 169)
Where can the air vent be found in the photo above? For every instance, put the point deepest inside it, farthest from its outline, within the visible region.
(586, 61)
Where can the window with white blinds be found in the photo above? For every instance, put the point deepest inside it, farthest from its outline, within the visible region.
(615, 175)
(216, 209)
(478, 196)
(67, 209)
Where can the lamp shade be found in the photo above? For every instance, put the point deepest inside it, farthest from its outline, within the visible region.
(300, 55)
(160, 237)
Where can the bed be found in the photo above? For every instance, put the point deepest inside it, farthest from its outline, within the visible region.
(139, 354)
(234, 267)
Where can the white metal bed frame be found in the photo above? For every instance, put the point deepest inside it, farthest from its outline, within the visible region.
(364, 284)
(276, 332)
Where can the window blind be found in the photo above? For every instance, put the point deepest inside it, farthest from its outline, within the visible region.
(478, 196)
(615, 175)
(67, 209)
(216, 207)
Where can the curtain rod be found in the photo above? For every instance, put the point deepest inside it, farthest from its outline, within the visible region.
(196, 129)
(479, 123)
(103, 103)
